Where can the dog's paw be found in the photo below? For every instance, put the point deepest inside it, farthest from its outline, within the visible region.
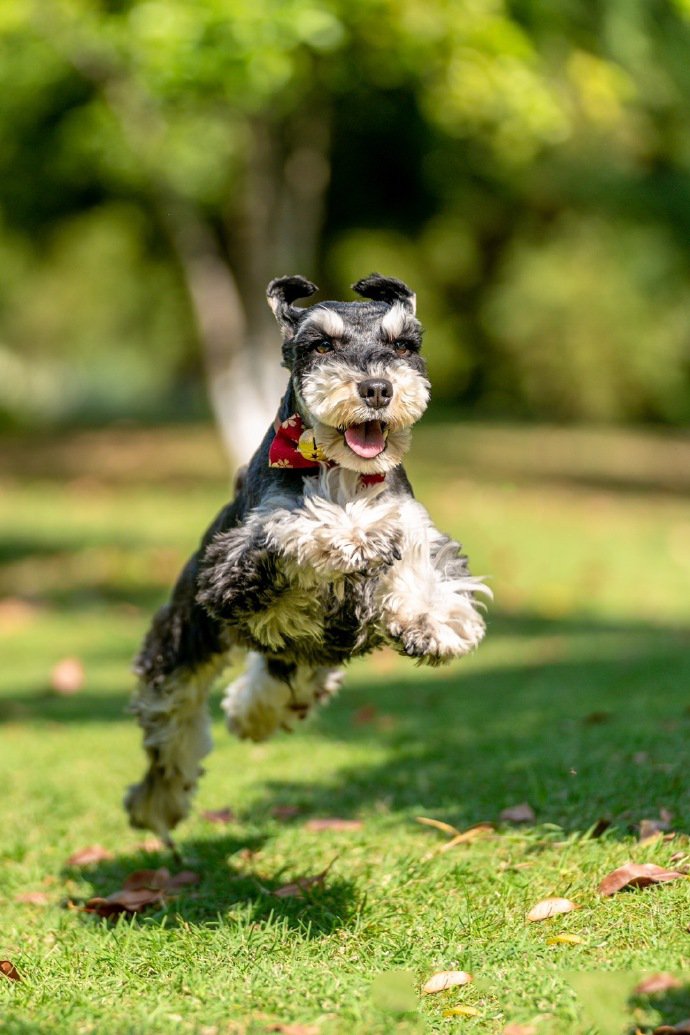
(435, 642)
(361, 551)
(158, 803)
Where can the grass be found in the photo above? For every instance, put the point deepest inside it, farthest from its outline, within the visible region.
(577, 702)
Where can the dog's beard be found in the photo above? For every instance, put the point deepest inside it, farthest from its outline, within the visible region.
(353, 434)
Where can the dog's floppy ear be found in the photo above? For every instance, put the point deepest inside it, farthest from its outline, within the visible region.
(386, 289)
(281, 293)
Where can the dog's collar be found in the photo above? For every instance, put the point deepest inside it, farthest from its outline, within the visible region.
(295, 446)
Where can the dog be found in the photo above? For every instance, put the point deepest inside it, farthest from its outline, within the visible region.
(323, 555)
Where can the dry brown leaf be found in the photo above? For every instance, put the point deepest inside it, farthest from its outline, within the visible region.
(333, 824)
(636, 875)
(446, 979)
(566, 939)
(519, 1029)
(124, 901)
(160, 880)
(297, 888)
(15, 614)
(67, 676)
(90, 854)
(521, 813)
(141, 889)
(285, 811)
(462, 1011)
(654, 983)
(678, 856)
(597, 718)
(550, 907)
(222, 816)
(468, 836)
(438, 824)
(32, 898)
(681, 1028)
(9, 970)
(365, 715)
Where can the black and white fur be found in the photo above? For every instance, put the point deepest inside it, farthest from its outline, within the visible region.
(306, 569)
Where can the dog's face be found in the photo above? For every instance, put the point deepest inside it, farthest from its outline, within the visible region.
(356, 370)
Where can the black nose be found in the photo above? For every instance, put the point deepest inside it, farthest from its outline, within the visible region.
(376, 391)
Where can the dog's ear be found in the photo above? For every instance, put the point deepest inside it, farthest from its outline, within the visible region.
(281, 293)
(386, 289)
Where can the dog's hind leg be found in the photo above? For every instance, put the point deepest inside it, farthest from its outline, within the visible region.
(272, 694)
(182, 653)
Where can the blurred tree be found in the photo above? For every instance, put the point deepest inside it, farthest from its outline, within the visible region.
(439, 140)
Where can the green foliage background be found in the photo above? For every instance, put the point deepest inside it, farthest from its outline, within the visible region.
(525, 166)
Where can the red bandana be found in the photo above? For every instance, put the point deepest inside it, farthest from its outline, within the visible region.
(294, 446)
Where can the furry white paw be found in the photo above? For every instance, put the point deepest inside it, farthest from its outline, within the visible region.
(435, 642)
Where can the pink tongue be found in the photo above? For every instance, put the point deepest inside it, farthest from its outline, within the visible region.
(366, 439)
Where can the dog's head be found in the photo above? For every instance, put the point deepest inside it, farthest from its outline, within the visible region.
(356, 370)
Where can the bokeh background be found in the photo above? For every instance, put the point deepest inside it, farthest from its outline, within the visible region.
(526, 166)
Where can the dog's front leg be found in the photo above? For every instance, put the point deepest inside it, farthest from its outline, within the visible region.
(334, 538)
(427, 600)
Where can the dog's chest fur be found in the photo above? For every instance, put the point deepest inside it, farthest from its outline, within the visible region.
(297, 606)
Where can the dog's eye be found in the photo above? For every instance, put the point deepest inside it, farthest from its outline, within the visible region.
(402, 348)
(323, 347)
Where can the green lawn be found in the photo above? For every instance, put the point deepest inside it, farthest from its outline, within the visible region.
(577, 703)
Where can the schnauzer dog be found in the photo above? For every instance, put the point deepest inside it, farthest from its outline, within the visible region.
(324, 553)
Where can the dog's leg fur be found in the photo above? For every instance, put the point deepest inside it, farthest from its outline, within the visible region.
(181, 655)
(427, 599)
(271, 695)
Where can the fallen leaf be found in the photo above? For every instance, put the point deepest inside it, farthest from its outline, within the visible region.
(141, 889)
(677, 856)
(124, 901)
(160, 880)
(223, 816)
(67, 676)
(462, 1011)
(333, 824)
(32, 898)
(9, 970)
(681, 1028)
(438, 824)
(297, 888)
(522, 813)
(285, 811)
(91, 854)
(468, 836)
(446, 979)
(15, 614)
(654, 983)
(519, 1029)
(365, 715)
(566, 939)
(597, 718)
(550, 907)
(636, 875)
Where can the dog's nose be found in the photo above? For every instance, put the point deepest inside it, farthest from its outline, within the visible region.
(376, 391)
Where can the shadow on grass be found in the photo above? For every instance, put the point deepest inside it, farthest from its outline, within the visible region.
(581, 738)
(234, 884)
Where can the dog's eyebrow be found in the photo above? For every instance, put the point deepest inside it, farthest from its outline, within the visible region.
(397, 320)
(328, 321)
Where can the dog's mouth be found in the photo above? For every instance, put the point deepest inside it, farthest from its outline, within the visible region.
(367, 439)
